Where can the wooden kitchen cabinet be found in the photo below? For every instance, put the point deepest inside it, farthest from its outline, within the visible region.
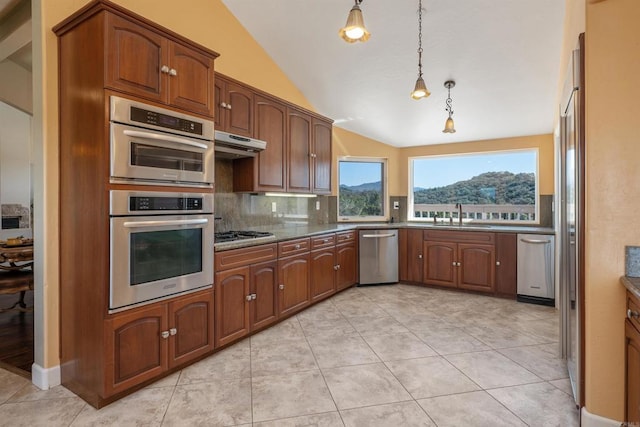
(299, 152)
(415, 257)
(321, 156)
(245, 289)
(293, 283)
(144, 343)
(322, 275)
(632, 360)
(266, 171)
(152, 65)
(464, 260)
(234, 107)
(506, 264)
(346, 259)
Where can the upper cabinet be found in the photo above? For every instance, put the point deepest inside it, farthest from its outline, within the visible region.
(298, 154)
(145, 63)
(234, 107)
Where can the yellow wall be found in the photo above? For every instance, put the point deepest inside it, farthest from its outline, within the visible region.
(612, 157)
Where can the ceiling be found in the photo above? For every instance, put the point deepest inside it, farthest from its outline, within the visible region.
(15, 32)
(503, 54)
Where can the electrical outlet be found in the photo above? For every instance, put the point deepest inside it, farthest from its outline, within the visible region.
(274, 207)
(396, 205)
(317, 205)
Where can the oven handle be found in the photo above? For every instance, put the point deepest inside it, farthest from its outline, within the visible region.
(156, 136)
(140, 224)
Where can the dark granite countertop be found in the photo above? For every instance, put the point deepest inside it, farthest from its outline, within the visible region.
(297, 231)
(632, 284)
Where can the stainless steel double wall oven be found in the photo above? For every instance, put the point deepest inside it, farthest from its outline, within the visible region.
(161, 242)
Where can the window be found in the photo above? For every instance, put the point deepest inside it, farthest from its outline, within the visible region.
(362, 189)
(492, 187)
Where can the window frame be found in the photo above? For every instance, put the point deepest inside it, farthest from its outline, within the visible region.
(385, 192)
(410, 199)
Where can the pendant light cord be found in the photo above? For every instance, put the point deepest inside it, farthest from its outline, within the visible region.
(448, 101)
(419, 38)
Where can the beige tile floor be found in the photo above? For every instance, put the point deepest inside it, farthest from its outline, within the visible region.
(374, 356)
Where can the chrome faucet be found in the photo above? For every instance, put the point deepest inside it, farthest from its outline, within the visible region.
(459, 207)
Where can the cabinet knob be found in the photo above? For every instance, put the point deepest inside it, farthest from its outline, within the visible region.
(632, 314)
(453, 263)
(498, 263)
(228, 106)
(420, 256)
(297, 246)
(335, 267)
(338, 266)
(173, 72)
(173, 331)
(248, 297)
(254, 296)
(326, 240)
(164, 69)
(164, 334)
(281, 286)
(459, 264)
(223, 104)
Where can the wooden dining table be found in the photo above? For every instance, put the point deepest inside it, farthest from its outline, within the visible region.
(16, 257)
(16, 274)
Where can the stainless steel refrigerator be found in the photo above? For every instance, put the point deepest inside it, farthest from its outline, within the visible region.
(571, 224)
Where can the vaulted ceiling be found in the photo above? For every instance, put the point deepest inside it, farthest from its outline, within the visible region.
(504, 56)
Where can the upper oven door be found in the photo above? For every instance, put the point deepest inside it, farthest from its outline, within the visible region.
(157, 256)
(151, 155)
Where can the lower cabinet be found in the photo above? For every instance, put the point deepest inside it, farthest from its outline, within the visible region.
(506, 264)
(143, 343)
(246, 294)
(293, 283)
(632, 361)
(464, 260)
(347, 263)
(323, 270)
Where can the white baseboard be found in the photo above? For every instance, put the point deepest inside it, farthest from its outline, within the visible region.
(45, 378)
(591, 420)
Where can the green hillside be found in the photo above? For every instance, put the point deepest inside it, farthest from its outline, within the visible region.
(487, 188)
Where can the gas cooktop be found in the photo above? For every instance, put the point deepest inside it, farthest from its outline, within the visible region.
(232, 236)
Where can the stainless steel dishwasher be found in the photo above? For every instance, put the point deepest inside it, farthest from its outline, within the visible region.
(536, 269)
(378, 256)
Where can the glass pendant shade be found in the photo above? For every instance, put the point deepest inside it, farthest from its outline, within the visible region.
(354, 30)
(448, 126)
(420, 90)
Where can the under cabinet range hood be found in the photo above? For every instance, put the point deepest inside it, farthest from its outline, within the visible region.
(230, 146)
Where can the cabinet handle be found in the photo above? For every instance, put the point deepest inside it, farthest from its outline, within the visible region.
(164, 69)
(297, 246)
(228, 106)
(420, 256)
(281, 286)
(454, 263)
(173, 72)
(498, 263)
(326, 240)
(254, 296)
(338, 266)
(335, 267)
(632, 314)
(459, 264)
(248, 297)
(223, 104)
(164, 334)
(173, 331)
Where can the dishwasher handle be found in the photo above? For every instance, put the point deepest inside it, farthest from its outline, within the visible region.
(378, 236)
(535, 241)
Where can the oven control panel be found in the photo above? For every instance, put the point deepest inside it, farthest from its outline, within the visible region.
(166, 121)
(153, 203)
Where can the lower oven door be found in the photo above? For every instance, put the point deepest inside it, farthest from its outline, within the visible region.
(157, 256)
(144, 154)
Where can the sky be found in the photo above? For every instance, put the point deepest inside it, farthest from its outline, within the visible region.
(438, 171)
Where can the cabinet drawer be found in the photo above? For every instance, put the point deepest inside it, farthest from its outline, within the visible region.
(293, 247)
(346, 236)
(324, 241)
(244, 256)
(459, 236)
(634, 305)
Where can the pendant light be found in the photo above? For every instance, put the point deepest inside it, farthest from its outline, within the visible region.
(448, 125)
(420, 90)
(354, 30)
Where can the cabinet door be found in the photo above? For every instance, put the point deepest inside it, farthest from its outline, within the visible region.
(632, 380)
(136, 350)
(271, 126)
(506, 264)
(264, 308)
(321, 157)
(323, 272)
(190, 80)
(293, 283)
(440, 263)
(190, 327)
(135, 56)
(299, 152)
(219, 111)
(415, 258)
(347, 261)
(232, 308)
(239, 118)
(477, 267)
